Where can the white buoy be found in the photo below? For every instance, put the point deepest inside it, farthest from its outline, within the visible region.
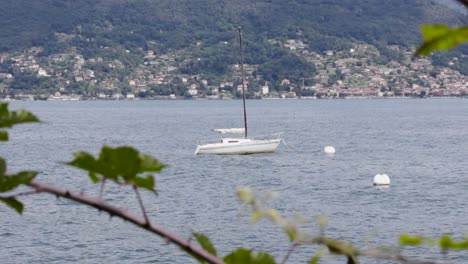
(329, 150)
(381, 179)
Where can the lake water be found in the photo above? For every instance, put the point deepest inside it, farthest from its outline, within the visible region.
(421, 144)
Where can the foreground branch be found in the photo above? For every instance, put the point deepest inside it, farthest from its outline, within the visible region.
(376, 254)
(194, 249)
(373, 253)
(136, 220)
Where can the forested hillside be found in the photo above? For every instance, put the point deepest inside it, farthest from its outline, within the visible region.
(125, 30)
(178, 23)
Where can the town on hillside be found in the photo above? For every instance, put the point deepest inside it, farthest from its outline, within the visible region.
(356, 72)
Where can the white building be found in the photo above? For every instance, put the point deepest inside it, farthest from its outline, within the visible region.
(117, 96)
(42, 72)
(193, 91)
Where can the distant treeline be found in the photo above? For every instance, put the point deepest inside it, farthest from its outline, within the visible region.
(165, 25)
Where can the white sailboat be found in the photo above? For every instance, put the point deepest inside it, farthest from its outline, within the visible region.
(237, 145)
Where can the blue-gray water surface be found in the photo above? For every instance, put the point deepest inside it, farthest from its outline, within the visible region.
(421, 144)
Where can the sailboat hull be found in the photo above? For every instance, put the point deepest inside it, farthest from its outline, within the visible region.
(239, 147)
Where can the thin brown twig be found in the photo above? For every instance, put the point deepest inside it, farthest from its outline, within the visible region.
(140, 201)
(374, 253)
(290, 251)
(136, 220)
(101, 190)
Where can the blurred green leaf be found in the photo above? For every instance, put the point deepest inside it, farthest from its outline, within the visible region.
(146, 183)
(3, 136)
(461, 245)
(340, 248)
(245, 194)
(238, 257)
(322, 221)
(150, 164)
(94, 177)
(245, 256)
(440, 37)
(262, 258)
(3, 167)
(8, 119)
(121, 161)
(13, 203)
(86, 161)
(273, 214)
(315, 259)
(409, 240)
(256, 215)
(8, 183)
(435, 31)
(205, 243)
(292, 231)
(446, 242)
(121, 164)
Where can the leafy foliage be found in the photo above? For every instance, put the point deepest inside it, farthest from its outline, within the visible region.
(10, 182)
(340, 248)
(245, 256)
(446, 243)
(122, 165)
(205, 243)
(315, 259)
(409, 240)
(292, 227)
(440, 37)
(259, 211)
(9, 119)
(13, 203)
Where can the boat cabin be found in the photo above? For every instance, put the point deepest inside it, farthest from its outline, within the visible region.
(234, 140)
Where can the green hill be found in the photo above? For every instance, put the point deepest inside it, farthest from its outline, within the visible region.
(109, 28)
(179, 23)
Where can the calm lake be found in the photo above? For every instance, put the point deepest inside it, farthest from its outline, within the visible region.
(422, 144)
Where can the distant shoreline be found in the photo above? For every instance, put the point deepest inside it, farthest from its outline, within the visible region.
(224, 99)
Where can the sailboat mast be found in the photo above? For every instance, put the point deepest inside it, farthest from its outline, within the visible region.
(243, 82)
